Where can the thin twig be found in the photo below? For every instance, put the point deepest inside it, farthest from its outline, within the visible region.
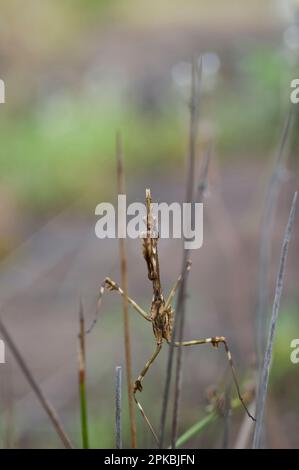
(227, 417)
(194, 115)
(118, 438)
(98, 308)
(246, 428)
(203, 179)
(51, 412)
(264, 378)
(82, 379)
(266, 233)
(180, 310)
(124, 280)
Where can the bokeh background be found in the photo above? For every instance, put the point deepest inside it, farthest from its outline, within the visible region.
(75, 72)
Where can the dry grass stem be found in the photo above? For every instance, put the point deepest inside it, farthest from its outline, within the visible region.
(82, 379)
(118, 434)
(264, 378)
(51, 412)
(124, 281)
(267, 226)
(180, 308)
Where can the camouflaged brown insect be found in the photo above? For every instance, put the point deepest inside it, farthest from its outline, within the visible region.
(161, 313)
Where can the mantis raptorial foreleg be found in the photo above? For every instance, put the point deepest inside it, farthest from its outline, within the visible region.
(111, 285)
(176, 285)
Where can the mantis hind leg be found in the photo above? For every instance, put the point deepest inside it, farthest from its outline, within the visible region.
(138, 388)
(215, 341)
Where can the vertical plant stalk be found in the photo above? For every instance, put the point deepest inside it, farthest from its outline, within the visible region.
(181, 304)
(178, 327)
(227, 418)
(124, 280)
(264, 378)
(203, 181)
(82, 379)
(51, 412)
(266, 233)
(118, 380)
(246, 429)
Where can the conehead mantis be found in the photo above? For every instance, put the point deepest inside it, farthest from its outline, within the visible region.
(161, 314)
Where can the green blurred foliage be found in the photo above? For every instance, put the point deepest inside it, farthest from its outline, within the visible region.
(65, 150)
(55, 149)
(52, 159)
(251, 108)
